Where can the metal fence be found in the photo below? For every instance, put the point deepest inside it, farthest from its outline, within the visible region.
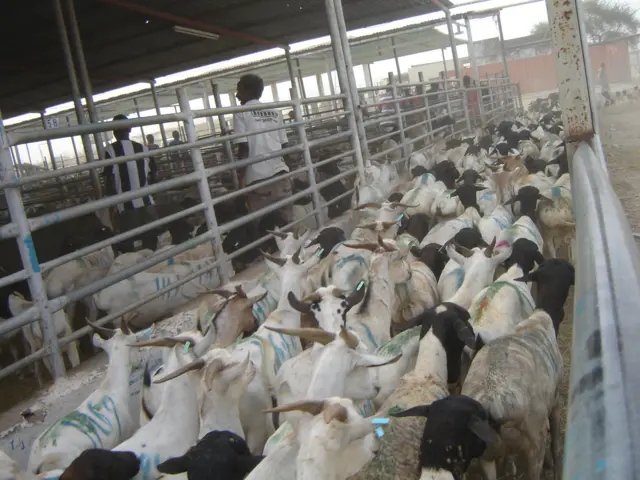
(339, 141)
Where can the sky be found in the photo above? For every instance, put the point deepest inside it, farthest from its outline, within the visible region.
(517, 21)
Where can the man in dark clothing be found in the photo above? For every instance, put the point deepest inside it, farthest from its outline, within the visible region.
(130, 176)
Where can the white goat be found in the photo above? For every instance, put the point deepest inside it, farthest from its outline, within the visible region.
(103, 420)
(173, 429)
(445, 231)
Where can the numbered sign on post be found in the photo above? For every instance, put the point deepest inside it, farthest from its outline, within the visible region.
(51, 122)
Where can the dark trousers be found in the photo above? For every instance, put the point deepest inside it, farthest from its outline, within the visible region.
(130, 219)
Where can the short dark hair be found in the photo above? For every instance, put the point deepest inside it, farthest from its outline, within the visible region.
(253, 84)
(120, 116)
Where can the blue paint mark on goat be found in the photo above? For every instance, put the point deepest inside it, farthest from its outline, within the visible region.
(148, 463)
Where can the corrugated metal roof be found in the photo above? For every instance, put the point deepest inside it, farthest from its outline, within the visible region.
(121, 48)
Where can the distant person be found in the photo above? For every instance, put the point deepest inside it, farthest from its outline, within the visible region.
(249, 91)
(151, 144)
(604, 79)
(473, 106)
(176, 158)
(127, 177)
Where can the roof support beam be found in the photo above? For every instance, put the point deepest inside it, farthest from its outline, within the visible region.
(186, 22)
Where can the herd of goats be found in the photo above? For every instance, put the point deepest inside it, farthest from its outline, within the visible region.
(420, 345)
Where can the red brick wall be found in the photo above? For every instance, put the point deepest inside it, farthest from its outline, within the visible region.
(537, 74)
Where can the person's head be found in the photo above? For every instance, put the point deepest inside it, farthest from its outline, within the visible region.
(250, 87)
(150, 139)
(176, 135)
(466, 81)
(121, 133)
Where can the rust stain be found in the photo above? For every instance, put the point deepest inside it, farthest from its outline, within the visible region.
(578, 136)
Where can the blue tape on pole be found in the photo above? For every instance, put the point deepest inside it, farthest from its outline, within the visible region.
(28, 241)
(380, 421)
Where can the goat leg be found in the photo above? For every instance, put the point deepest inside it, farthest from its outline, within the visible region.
(556, 442)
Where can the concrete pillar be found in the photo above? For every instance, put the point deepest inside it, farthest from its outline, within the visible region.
(368, 80)
(274, 93)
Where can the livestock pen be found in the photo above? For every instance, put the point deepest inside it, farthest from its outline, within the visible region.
(602, 422)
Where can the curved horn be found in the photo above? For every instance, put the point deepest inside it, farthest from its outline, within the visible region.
(336, 292)
(317, 335)
(240, 292)
(124, 325)
(313, 297)
(280, 235)
(464, 251)
(195, 365)
(298, 305)
(362, 246)
(163, 342)
(368, 205)
(335, 412)
(383, 244)
(101, 330)
(314, 407)
(387, 225)
(278, 261)
(489, 250)
(223, 293)
(349, 338)
(296, 256)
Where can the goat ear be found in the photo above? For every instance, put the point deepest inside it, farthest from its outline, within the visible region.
(465, 333)
(371, 361)
(173, 466)
(248, 463)
(511, 201)
(480, 188)
(419, 411)
(415, 251)
(97, 341)
(454, 193)
(357, 295)
(538, 258)
(483, 431)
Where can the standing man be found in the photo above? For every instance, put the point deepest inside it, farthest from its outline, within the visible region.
(151, 142)
(131, 176)
(176, 158)
(249, 91)
(604, 79)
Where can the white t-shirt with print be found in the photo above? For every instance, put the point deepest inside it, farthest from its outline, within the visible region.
(262, 143)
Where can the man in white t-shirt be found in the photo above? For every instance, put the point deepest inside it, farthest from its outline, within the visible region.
(249, 91)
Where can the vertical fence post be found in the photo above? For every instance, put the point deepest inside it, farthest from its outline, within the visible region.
(311, 175)
(203, 184)
(352, 88)
(398, 110)
(223, 131)
(156, 104)
(29, 257)
(338, 54)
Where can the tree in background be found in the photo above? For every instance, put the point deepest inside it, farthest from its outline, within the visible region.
(605, 20)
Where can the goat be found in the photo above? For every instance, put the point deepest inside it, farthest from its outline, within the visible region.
(99, 464)
(445, 331)
(218, 454)
(521, 392)
(103, 420)
(457, 430)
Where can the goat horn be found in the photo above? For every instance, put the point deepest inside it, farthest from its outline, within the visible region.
(368, 205)
(349, 338)
(369, 226)
(223, 293)
(317, 335)
(314, 407)
(300, 306)
(240, 292)
(195, 365)
(335, 412)
(163, 342)
(362, 246)
(464, 251)
(278, 261)
(489, 250)
(403, 205)
(280, 235)
(296, 257)
(101, 330)
(336, 292)
(383, 244)
(387, 225)
(313, 297)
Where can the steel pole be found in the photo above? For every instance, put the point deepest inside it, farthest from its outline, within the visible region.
(49, 145)
(75, 93)
(341, 68)
(502, 49)
(85, 80)
(203, 183)
(228, 151)
(452, 40)
(444, 63)
(29, 256)
(474, 64)
(73, 142)
(137, 107)
(395, 57)
(303, 91)
(207, 105)
(306, 154)
(352, 88)
(292, 75)
(156, 103)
